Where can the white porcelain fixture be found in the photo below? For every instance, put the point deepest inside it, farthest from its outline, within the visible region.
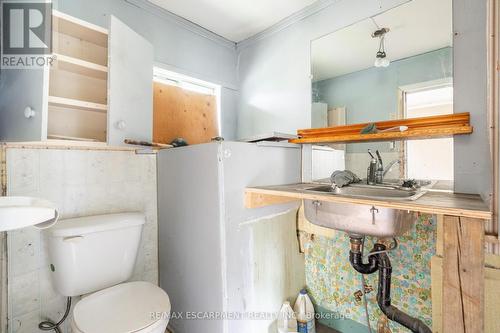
(20, 212)
(96, 254)
(359, 219)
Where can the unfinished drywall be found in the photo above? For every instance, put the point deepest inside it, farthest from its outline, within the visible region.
(80, 183)
(275, 83)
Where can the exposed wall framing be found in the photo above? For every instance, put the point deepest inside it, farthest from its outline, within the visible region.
(492, 226)
(3, 245)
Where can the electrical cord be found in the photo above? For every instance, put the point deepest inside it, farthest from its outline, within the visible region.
(363, 283)
(394, 245)
(49, 325)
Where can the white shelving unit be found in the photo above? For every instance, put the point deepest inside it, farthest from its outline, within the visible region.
(98, 88)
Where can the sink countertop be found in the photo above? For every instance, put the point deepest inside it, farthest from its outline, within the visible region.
(432, 202)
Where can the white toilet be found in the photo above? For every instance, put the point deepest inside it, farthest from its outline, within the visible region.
(96, 254)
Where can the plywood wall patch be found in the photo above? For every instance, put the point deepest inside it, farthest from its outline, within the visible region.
(182, 113)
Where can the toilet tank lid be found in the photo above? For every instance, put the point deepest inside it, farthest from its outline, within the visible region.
(96, 223)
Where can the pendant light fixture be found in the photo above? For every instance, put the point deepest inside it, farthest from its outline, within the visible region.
(381, 59)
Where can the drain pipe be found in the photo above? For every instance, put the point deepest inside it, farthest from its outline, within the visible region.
(381, 262)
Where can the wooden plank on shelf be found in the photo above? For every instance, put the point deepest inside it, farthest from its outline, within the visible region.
(77, 104)
(70, 138)
(418, 128)
(463, 275)
(80, 29)
(410, 134)
(79, 66)
(412, 123)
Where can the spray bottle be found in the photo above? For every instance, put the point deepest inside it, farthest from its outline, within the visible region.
(286, 319)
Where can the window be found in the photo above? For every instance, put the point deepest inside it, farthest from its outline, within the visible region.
(432, 158)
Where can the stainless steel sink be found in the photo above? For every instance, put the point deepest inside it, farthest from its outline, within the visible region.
(359, 219)
(382, 192)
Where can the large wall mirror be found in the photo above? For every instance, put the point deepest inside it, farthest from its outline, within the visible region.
(398, 64)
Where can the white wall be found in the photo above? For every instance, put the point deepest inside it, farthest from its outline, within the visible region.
(80, 183)
(275, 86)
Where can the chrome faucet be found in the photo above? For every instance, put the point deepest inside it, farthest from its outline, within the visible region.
(376, 171)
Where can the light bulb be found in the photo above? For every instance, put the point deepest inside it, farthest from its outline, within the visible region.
(385, 62)
(382, 62)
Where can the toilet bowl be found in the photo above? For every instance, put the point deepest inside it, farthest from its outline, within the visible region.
(95, 256)
(127, 307)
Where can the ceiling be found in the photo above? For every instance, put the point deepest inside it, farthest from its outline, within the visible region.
(416, 27)
(234, 20)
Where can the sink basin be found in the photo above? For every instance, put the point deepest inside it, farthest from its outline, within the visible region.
(359, 219)
(20, 212)
(382, 192)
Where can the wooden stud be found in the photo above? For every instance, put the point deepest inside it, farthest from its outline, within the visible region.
(439, 235)
(256, 200)
(463, 275)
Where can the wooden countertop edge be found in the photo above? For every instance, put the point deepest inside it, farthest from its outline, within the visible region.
(256, 197)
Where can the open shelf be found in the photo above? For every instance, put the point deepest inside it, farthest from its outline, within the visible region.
(77, 104)
(79, 66)
(66, 122)
(78, 89)
(418, 128)
(71, 138)
(80, 40)
(79, 29)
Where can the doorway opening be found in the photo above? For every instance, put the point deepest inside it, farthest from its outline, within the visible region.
(184, 107)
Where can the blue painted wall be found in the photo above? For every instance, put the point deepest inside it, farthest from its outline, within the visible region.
(372, 94)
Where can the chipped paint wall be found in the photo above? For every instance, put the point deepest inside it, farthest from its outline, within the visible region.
(335, 286)
(80, 183)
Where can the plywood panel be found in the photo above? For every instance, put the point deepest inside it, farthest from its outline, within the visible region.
(182, 113)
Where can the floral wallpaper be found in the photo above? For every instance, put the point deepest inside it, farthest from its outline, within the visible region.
(334, 285)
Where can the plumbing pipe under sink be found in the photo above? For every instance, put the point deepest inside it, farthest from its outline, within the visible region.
(380, 261)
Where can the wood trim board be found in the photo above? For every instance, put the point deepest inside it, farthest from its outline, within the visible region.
(413, 123)
(410, 134)
(418, 128)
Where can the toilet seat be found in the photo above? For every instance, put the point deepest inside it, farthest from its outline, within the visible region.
(124, 308)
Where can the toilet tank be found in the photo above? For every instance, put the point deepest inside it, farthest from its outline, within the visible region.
(94, 252)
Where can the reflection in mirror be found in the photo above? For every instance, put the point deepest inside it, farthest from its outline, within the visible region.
(397, 64)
